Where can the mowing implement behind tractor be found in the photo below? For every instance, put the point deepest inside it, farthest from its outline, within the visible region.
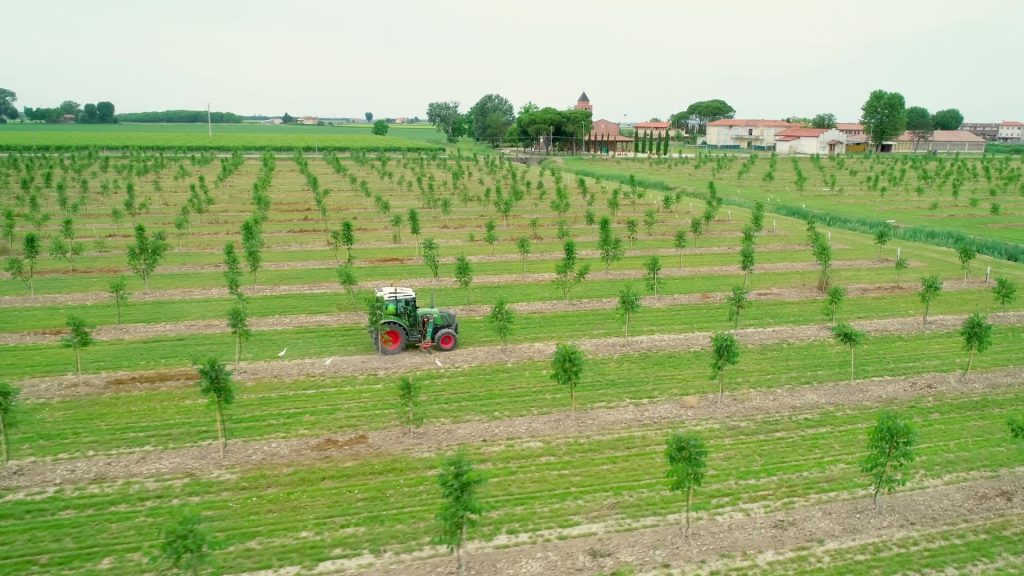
(405, 323)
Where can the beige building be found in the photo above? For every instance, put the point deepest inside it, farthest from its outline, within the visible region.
(810, 141)
(1010, 131)
(941, 141)
(746, 134)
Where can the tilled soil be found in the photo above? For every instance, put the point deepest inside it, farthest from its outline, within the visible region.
(120, 382)
(204, 459)
(151, 330)
(192, 293)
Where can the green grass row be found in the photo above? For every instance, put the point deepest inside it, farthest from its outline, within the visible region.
(303, 514)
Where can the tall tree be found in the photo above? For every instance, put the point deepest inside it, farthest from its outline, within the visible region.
(652, 275)
(432, 260)
(252, 246)
(460, 506)
(380, 128)
(492, 115)
(567, 369)
(703, 112)
(445, 117)
(185, 545)
(890, 451)
(737, 301)
(884, 116)
(8, 394)
(948, 119)
(919, 124)
(725, 352)
(825, 120)
(687, 463)
(629, 304)
(977, 335)
(78, 338)
(238, 322)
(232, 270)
(215, 383)
(119, 293)
(409, 402)
(7, 107)
(1005, 292)
(847, 335)
(146, 253)
(833, 300)
(502, 319)
(930, 288)
(464, 273)
(368, 116)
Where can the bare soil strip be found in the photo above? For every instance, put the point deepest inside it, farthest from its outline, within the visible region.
(834, 523)
(421, 282)
(204, 459)
(152, 330)
(55, 387)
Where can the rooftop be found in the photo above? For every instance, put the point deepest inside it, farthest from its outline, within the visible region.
(652, 125)
(944, 136)
(758, 123)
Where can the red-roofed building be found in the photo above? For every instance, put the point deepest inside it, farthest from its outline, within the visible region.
(747, 134)
(810, 141)
(657, 129)
(604, 138)
(1010, 131)
(941, 141)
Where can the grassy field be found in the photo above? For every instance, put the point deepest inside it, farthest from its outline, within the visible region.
(225, 137)
(320, 471)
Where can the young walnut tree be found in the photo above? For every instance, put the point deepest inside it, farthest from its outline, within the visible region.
(890, 452)
(977, 335)
(215, 382)
(847, 335)
(460, 506)
(725, 352)
(567, 369)
(687, 463)
(629, 304)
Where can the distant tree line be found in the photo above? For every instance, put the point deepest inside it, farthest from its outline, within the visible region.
(180, 116)
(98, 113)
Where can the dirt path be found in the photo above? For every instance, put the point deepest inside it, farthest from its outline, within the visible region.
(152, 330)
(56, 387)
(421, 282)
(203, 459)
(835, 523)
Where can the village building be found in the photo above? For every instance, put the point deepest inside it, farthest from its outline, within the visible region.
(1010, 131)
(940, 141)
(746, 134)
(605, 138)
(986, 130)
(309, 120)
(583, 103)
(810, 141)
(272, 121)
(654, 129)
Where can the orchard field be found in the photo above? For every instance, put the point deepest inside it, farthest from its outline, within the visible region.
(322, 474)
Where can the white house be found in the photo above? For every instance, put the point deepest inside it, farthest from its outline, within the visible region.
(739, 133)
(1010, 131)
(810, 141)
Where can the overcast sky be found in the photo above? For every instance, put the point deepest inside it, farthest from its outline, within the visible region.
(636, 59)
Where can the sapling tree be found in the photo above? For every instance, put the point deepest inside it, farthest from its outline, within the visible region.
(1016, 425)
(185, 546)
(432, 260)
(901, 265)
(882, 237)
(747, 260)
(10, 224)
(119, 294)
(78, 338)
(409, 402)
(347, 279)
(687, 463)
(822, 250)
(8, 394)
(652, 275)
(523, 247)
(24, 267)
(697, 229)
(215, 383)
(464, 273)
(460, 506)
(567, 369)
(679, 242)
(490, 234)
(252, 246)
(238, 322)
(632, 227)
(415, 229)
(931, 286)
(966, 252)
(608, 244)
(567, 274)
(146, 253)
(737, 301)
(890, 452)
(977, 335)
(847, 335)
(629, 304)
(348, 238)
(65, 245)
(502, 319)
(725, 352)
(834, 298)
(232, 270)
(1005, 292)
(374, 315)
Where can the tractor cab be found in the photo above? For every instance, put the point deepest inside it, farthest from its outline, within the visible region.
(404, 322)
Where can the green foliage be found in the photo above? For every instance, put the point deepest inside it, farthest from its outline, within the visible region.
(146, 253)
(931, 286)
(185, 545)
(737, 301)
(900, 265)
(966, 252)
(215, 383)
(822, 250)
(882, 237)
(948, 119)
(347, 279)
(567, 275)
(609, 245)
(490, 234)
(409, 402)
(380, 128)
(826, 120)
(725, 352)
(523, 247)
(884, 116)
(8, 394)
(1016, 427)
(502, 320)
(977, 335)
(492, 116)
(374, 315)
(78, 338)
(445, 117)
(687, 464)
(567, 369)
(833, 300)
(252, 246)
(232, 270)
(118, 290)
(890, 452)
(238, 323)
(701, 113)
(464, 273)
(628, 304)
(847, 335)
(652, 275)
(460, 510)
(1005, 292)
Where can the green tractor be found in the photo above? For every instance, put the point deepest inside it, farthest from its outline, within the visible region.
(405, 323)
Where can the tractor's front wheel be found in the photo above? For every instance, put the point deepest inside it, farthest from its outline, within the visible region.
(392, 338)
(446, 339)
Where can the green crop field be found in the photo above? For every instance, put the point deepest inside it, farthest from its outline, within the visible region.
(321, 475)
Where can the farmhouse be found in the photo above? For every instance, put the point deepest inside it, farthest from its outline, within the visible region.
(604, 138)
(655, 129)
(272, 121)
(309, 120)
(1010, 131)
(941, 141)
(810, 141)
(986, 130)
(750, 134)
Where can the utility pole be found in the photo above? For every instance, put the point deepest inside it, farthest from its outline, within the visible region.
(209, 124)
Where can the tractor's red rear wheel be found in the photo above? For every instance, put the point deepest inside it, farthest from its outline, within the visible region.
(446, 340)
(392, 338)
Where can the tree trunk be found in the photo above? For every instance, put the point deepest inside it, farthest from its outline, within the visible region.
(458, 551)
(238, 347)
(970, 359)
(626, 335)
(851, 364)
(572, 395)
(220, 428)
(117, 305)
(31, 287)
(78, 363)
(254, 279)
(721, 386)
(689, 495)
(3, 441)
(925, 319)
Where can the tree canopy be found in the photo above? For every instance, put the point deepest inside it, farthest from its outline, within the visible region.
(446, 118)
(7, 107)
(948, 119)
(884, 116)
(491, 117)
(703, 112)
(826, 120)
